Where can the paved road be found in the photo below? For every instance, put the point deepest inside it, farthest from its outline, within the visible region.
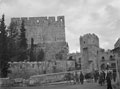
(65, 86)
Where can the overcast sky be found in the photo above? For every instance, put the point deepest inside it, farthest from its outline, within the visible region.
(101, 17)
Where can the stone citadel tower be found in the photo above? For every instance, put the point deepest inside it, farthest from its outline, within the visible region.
(48, 34)
(89, 46)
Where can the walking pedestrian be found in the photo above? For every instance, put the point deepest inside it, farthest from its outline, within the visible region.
(101, 79)
(104, 75)
(108, 79)
(95, 76)
(76, 77)
(81, 78)
(114, 76)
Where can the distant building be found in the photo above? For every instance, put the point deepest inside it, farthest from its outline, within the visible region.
(110, 59)
(107, 59)
(116, 51)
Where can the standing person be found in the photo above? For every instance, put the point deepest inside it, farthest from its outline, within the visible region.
(114, 76)
(81, 78)
(76, 77)
(103, 77)
(72, 78)
(108, 79)
(95, 76)
(69, 75)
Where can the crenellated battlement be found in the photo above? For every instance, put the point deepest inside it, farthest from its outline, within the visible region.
(89, 40)
(89, 35)
(59, 20)
(47, 29)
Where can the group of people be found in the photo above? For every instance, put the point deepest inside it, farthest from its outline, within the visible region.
(100, 77)
(75, 77)
(105, 77)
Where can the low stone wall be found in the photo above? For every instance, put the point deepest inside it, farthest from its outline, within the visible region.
(4, 81)
(50, 78)
(36, 79)
(46, 78)
(26, 69)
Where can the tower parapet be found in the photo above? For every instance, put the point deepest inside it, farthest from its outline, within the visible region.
(43, 29)
(59, 20)
(89, 40)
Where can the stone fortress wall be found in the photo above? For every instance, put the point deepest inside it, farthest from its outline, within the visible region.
(48, 34)
(52, 49)
(89, 46)
(43, 29)
(27, 69)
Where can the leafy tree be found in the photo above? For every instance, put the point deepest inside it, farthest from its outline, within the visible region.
(23, 40)
(4, 57)
(41, 55)
(70, 58)
(23, 44)
(31, 50)
(17, 42)
(13, 41)
(60, 55)
(13, 30)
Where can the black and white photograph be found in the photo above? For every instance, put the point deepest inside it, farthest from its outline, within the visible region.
(59, 44)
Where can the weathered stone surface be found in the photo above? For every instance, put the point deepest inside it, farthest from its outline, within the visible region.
(53, 49)
(48, 34)
(43, 29)
(89, 46)
(27, 69)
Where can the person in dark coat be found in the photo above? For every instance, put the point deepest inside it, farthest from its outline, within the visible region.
(76, 78)
(108, 79)
(96, 76)
(114, 76)
(101, 79)
(81, 78)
